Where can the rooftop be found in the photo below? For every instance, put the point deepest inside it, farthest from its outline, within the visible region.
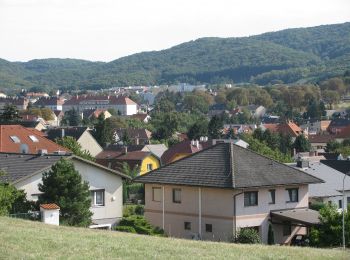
(227, 165)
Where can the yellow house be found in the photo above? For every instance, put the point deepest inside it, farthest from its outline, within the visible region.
(146, 161)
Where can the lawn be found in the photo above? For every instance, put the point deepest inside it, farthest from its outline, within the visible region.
(20, 239)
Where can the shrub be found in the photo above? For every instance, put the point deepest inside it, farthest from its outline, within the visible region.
(126, 229)
(248, 236)
(139, 225)
(130, 210)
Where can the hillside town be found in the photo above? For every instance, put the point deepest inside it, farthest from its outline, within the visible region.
(229, 168)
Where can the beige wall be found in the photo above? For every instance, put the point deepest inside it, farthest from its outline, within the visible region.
(111, 212)
(217, 210)
(89, 143)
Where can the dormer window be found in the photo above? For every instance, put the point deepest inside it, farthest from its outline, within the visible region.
(33, 138)
(15, 139)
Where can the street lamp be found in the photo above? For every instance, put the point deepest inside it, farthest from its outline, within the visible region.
(344, 211)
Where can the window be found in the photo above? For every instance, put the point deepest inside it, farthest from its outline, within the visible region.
(33, 138)
(98, 197)
(251, 198)
(340, 204)
(348, 200)
(208, 228)
(177, 195)
(149, 167)
(272, 196)
(15, 139)
(156, 194)
(293, 195)
(287, 228)
(187, 225)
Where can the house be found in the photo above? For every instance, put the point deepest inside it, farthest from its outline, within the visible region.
(217, 110)
(34, 96)
(57, 117)
(337, 125)
(81, 134)
(319, 142)
(215, 192)
(20, 103)
(286, 128)
(25, 171)
(142, 117)
(54, 103)
(146, 161)
(316, 127)
(19, 139)
(123, 104)
(240, 128)
(39, 125)
(136, 135)
(95, 113)
(183, 149)
(331, 190)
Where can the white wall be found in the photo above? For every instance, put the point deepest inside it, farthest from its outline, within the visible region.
(89, 143)
(98, 178)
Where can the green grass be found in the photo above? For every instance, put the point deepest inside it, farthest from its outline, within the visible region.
(20, 239)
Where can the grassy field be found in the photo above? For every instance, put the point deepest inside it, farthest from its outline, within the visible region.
(20, 239)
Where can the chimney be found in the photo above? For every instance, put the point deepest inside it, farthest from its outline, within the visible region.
(302, 163)
(62, 133)
(124, 149)
(197, 144)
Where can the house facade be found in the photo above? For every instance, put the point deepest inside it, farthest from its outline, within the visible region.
(123, 104)
(218, 191)
(106, 185)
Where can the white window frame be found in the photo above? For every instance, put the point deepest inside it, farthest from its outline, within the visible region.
(94, 198)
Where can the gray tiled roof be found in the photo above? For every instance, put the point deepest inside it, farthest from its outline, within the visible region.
(213, 167)
(18, 166)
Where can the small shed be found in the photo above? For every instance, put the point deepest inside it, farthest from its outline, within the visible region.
(50, 214)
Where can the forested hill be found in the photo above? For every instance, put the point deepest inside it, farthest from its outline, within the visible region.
(292, 55)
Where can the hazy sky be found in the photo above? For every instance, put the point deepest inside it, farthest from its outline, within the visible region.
(108, 29)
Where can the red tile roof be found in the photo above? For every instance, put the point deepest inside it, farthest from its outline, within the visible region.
(271, 127)
(290, 128)
(140, 117)
(22, 136)
(49, 101)
(49, 206)
(133, 156)
(184, 147)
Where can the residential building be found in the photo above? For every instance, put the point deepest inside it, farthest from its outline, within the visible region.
(216, 192)
(331, 190)
(146, 161)
(256, 110)
(20, 103)
(19, 139)
(338, 125)
(123, 104)
(95, 113)
(316, 127)
(54, 103)
(81, 134)
(287, 128)
(25, 171)
(136, 135)
(142, 117)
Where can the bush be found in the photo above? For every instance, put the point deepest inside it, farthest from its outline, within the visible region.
(126, 229)
(139, 225)
(248, 236)
(130, 210)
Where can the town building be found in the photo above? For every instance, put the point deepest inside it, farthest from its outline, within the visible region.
(214, 193)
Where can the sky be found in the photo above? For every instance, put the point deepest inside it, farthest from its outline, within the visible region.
(104, 30)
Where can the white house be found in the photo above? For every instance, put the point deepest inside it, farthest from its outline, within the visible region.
(25, 171)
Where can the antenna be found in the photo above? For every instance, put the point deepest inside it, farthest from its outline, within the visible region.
(23, 148)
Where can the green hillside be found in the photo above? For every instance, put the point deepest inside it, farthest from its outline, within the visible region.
(21, 239)
(292, 55)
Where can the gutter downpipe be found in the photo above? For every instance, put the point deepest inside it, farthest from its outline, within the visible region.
(200, 212)
(163, 209)
(235, 214)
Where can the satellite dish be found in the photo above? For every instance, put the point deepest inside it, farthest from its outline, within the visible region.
(23, 148)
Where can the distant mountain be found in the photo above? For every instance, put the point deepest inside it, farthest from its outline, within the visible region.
(292, 55)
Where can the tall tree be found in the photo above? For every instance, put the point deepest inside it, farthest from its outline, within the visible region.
(9, 114)
(301, 144)
(215, 127)
(197, 130)
(63, 185)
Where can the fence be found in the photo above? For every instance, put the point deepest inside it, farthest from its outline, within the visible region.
(33, 215)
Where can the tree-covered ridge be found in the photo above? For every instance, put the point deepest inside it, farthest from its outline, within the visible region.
(303, 54)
